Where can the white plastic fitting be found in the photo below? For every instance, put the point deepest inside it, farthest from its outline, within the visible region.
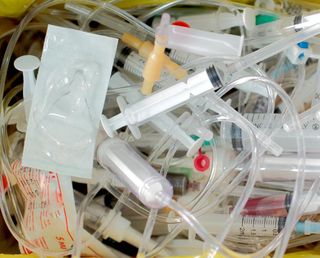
(313, 112)
(112, 224)
(298, 55)
(27, 65)
(169, 125)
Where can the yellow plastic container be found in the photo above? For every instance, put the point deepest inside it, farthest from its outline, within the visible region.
(14, 8)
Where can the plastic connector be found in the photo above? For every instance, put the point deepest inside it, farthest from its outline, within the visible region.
(27, 65)
(145, 48)
(111, 223)
(156, 59)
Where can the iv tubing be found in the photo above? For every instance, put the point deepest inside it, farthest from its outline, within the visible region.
(80, 219)
(1, 78)
(301, 156)
(153, 212)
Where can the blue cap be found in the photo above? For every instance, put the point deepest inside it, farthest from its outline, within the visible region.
(299, 228)
(303, 44)
(307, 227)
(301, 56)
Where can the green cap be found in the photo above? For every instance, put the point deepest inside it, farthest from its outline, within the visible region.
(205, 143)
(264, 18)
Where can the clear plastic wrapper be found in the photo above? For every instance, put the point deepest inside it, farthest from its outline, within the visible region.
(68, 101)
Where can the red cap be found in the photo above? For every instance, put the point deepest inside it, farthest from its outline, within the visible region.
(201, 162)
(5, 183)
(181, 24)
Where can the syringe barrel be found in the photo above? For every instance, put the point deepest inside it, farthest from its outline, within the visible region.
(134, 172)
(213, 21)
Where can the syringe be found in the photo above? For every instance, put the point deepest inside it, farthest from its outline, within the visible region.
(162, 101)
(202, 42)
(173, 126)
(285, 138)
(277, 206)
(285, 168)
(254, 225)
(214, 103)
(292, 23)
(224, 20)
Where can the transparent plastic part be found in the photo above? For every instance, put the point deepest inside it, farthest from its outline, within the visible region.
(134, 172)
(66, 106)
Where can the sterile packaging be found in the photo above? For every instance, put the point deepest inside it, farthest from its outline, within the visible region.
(68, 101)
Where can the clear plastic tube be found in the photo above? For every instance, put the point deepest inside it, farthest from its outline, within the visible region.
(96, 15)
(104, 20)
(229, 188)
(199, 229)
(272, 49)
(166, 6)
(292, 216)
(48, 19)
(253, 167)
(77, 247)
(153, 212)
